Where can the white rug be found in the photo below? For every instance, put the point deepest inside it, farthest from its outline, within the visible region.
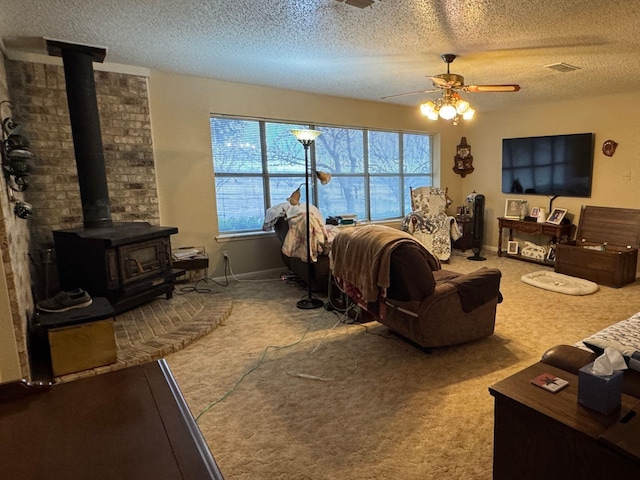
(560, 283)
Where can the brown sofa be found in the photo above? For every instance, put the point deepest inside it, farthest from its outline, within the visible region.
(414, 297)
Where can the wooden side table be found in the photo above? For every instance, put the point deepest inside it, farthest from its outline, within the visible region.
(539, 434)
(556, 232)
(194, 264)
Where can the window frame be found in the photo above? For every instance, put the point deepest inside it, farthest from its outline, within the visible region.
(266, 176)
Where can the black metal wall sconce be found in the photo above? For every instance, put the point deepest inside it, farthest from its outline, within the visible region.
(16, 158)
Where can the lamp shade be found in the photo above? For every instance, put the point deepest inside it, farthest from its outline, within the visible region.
(306, 135)
(462, 106)
(427, 108)
(324, 177)
(294, 199)
(447, 112)
(432, 115)
(468, 114)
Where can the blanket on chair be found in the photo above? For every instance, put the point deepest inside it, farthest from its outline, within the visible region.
(361, 257)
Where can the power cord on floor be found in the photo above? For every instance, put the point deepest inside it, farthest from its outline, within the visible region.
(227, 270)
(341, 319)
(254, 367)
(198, 289)
(348, 319)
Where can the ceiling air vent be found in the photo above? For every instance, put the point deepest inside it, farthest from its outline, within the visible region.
(358, 3)
(561, 67)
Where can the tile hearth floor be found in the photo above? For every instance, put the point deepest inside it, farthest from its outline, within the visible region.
(157, 329)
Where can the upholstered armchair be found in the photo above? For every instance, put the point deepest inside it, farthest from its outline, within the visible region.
(398, 283)
(429, 223)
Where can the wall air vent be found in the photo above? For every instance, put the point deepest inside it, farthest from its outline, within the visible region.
(561, 67)
(358, 3)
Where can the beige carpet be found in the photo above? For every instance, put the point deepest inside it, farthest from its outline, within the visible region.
(339, 401)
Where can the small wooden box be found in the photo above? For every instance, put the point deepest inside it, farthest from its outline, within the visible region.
(616, 232)
(80, 338)
(81, 347)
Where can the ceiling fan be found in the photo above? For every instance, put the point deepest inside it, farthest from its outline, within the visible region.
(451, 82)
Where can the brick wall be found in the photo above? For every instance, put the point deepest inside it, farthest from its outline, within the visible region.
(14, 241)
(39, 95)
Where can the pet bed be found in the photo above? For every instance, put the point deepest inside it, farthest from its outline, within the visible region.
(557, 282)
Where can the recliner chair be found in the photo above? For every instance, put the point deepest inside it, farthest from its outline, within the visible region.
(403, 287)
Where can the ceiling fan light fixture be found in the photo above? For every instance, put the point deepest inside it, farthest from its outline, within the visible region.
(447, 112)
(461, 106)
(468, 114)
(427, 108)
(432, 115)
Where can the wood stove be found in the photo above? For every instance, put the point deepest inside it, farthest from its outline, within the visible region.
(129, 263)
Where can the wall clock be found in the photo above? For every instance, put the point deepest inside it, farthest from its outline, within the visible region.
(463, 161)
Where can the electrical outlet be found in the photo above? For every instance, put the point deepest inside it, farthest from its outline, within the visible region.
(626, 175)
(225, 254)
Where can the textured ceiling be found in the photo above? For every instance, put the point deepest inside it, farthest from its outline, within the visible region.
(329, 47)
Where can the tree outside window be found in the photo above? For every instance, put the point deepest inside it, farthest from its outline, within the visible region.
(258, 164)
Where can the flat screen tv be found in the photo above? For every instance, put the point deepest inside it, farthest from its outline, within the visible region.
(554, 165)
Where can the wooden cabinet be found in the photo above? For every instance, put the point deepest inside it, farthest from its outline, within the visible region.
(539, 434)
(557, 233)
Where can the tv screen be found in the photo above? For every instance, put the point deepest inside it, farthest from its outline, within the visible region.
(554, 165)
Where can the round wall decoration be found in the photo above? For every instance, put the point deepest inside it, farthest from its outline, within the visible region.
(609, 148)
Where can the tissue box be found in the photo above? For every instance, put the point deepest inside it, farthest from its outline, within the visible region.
(602, 394)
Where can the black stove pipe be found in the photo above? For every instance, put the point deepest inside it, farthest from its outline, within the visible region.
(85, 128)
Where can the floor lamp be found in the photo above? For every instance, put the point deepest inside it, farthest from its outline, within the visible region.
(306, 138)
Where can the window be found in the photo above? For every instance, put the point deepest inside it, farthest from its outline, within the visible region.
(259, 164)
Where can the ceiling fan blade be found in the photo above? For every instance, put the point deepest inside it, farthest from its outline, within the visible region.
(492, 88)
(410, 93)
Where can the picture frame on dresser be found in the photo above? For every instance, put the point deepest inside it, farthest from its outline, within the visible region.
(512, 208)
(556, 216)
(551, 254)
